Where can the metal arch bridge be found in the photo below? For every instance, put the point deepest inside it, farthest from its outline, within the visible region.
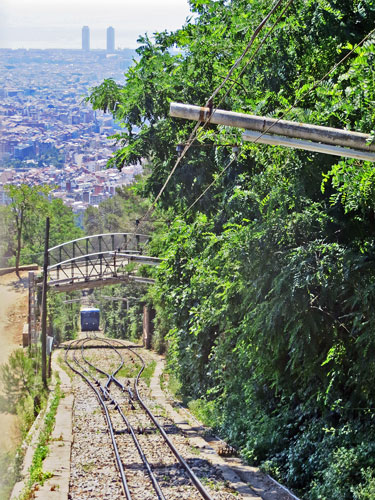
(97, 260)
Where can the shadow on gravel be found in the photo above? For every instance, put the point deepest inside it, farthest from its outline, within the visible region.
(20, 284)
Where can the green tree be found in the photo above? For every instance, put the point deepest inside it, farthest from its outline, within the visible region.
(26, 201)
(120, 213)
(25, 222)
(265, 299)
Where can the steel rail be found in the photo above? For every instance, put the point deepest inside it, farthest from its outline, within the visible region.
(117, 382)
(196, 482)
(111, 377)
(109, 423)
(174, 450)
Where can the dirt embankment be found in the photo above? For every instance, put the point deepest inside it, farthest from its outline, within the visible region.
(13, 315)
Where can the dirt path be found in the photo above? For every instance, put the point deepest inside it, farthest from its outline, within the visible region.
(13, 314)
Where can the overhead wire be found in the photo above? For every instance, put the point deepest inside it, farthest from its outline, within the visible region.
(262, 42)
(316, 84)
(193, 135)
(308, 92)
(210, 185)
(247, 48)
(226, 94)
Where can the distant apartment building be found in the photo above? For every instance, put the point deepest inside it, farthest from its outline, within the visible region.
(85, 38)
(22, 151)
(110, 39)
(4, 198)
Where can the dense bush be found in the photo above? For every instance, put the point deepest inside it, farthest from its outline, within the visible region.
(265, 300)
(120, 319)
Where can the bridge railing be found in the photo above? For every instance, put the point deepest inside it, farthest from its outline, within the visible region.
(108, 242)
(86, 267)
(96, 266)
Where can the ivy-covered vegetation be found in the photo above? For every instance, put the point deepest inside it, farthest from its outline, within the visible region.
(265, 301)
(22, 394)
(121, 308)
(63, 315)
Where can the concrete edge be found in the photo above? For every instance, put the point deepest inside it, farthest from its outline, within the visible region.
(58, 460)
(29, 445)
(208, 453)
(248, 480)
(8, 270)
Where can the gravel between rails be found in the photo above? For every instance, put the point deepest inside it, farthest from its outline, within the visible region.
(93, 471)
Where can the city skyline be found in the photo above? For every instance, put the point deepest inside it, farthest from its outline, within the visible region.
(49, 135)
(110, 39)
(44, 25)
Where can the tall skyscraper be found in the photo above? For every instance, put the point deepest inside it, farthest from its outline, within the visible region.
(110, 39)
(85, 38)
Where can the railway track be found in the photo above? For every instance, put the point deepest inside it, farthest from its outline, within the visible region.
(149, 463)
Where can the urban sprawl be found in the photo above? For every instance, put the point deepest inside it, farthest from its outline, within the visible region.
(49, 134)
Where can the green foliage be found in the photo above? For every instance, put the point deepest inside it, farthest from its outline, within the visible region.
(10, 465)
(148, 372)
(265, 299)
(204, 410)
(36, 474)
(21, 386)
(64, 317)
(120, 319)
(25, 219)
(23, 394)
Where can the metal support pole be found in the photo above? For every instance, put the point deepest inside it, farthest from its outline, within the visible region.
(278, 140)
(264, 124)
(31, 307)
(72, 264)
(44, 306)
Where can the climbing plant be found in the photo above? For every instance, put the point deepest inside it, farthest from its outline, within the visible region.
(265, 298)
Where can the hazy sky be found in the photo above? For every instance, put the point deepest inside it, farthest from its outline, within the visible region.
(58, 23)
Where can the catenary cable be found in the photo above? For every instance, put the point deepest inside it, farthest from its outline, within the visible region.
(308, 92)
(193, 135)
(283, 115)
(256, 52)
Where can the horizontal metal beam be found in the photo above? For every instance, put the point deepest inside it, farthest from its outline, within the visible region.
(97, 236)
(115, 299)
(143, 259)
(296, 130)
(278, 140)
(80, 260)
(140, 279)
(69, 285)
